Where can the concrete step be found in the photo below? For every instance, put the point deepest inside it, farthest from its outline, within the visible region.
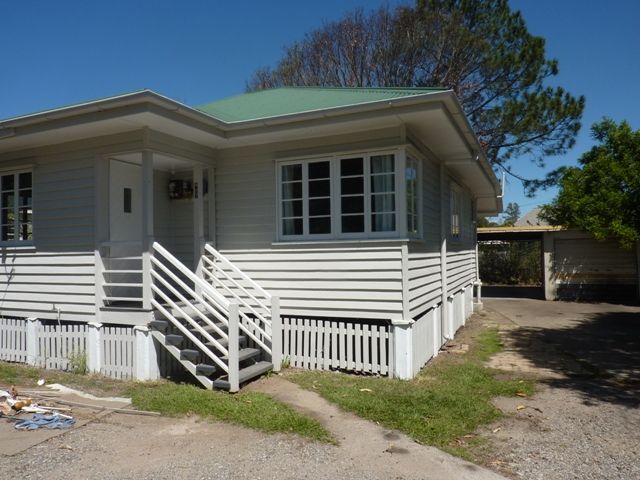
(206, 369)
(173, 339)
(242, 340)
(159, 325)
(209, 328)
(245, 354)
(246, 374)
(189, 354)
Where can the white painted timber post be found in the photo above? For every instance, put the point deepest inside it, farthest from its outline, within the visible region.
(477, 304)
(444, 215)
(550, 291)
(276, 334)
(146, 358)
(32, 340)
(403, 349)
(101, 228)
(450, 311)
(147, 226)
(234, 347)
(198, 219)
(94, 347)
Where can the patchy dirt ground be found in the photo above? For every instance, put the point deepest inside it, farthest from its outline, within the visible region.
(584, 422)
(136, 447)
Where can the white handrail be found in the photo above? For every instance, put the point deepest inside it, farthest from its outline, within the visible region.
(187, 317)
(190, 291)
(237, 297)
(212, 251)
(232, 280)
(192, 276)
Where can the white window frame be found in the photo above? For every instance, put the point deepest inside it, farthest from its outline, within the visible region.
(418, 162)
(336, 220)
(305, 199)
(16, 207)
(455, 212)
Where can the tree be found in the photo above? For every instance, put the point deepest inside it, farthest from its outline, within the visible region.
(480, 49)
(602, 194)
(511, 214)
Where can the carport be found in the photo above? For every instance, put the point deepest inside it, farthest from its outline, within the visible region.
(575, 265)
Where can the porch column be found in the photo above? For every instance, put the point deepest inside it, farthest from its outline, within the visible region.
(198, 219)
(101, 227)
(147, 226)
(444, 299)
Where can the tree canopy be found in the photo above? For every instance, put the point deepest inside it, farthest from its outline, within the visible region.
(480, 49)
(602, 194)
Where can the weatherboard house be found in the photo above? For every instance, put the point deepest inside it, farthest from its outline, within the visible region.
(326, 228)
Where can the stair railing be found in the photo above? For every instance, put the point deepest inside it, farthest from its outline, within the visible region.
(256, 304)
(176, 287)
(165, 282)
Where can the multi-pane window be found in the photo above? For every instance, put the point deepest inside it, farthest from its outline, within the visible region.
(16, 210)
(383, 195)
(350, 196)
(291, 184)
(455, 203)
(306, 198)
(319, 197)
(411, 187)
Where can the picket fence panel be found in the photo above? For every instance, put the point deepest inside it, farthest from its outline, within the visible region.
(118, 354)
(57, 345)
(13, 340)
(329, 344)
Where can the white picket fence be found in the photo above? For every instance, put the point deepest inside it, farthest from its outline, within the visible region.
(63, 347)
(58, 345)
(13, 340)
(324, 344)
(118, 352)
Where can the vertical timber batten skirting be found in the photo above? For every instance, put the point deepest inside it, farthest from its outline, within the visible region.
(113, 351)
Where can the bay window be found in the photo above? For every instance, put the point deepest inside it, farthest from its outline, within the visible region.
(352, 196)
(16, 209)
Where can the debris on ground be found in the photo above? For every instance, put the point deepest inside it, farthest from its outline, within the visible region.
(55, 421)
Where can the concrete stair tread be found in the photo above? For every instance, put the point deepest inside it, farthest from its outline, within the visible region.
(245, 354)
(245, 374)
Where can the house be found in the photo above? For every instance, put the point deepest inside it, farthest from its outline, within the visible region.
(322, 227)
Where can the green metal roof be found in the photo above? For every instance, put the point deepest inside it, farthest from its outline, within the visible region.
(292, 100)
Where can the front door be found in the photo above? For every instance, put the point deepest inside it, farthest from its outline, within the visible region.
(125, 202)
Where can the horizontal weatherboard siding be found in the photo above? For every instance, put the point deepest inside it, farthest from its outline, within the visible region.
(57, 272)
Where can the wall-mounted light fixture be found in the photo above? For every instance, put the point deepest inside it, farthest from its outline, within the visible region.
(179, 189)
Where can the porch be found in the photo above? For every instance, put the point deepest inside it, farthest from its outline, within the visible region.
(143, 197)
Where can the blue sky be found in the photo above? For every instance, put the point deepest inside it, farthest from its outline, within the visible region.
(57, 53)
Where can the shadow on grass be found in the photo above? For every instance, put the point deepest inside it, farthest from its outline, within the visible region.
(598, 357)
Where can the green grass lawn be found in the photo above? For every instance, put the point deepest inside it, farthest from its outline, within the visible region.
(448, 400)
(249, 409)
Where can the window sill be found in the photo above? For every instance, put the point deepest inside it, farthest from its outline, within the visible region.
(342, 241)
(17, 246)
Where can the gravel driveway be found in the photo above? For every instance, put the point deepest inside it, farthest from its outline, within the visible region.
(584, 423)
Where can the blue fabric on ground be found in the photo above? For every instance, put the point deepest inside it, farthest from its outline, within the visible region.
(40, 420)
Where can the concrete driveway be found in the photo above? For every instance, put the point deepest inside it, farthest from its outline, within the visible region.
(584, 421)
(579, 342)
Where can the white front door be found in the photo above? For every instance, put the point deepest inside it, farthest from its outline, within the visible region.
(125, 202)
